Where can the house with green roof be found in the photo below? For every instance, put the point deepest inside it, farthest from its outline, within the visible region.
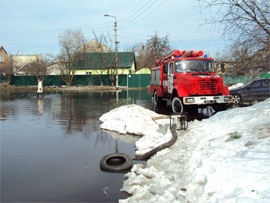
(101, 63)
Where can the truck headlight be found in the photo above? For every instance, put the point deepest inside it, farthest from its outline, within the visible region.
(189, 100)
(227, 99)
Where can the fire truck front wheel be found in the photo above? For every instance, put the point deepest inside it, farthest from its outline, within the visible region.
(177, 105)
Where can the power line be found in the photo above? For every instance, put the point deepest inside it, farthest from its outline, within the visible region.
(142, 10)
(51, 32)
(140, 15)
(54, 33)
(137, 11)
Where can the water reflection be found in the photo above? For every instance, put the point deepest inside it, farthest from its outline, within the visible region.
(51, 147)
(40, 105)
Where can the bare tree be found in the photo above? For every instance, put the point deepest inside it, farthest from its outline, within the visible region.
(242, 19)
(7, 70)
(158, 46)
(107, 57)
(106, 60)
(70, 42)
(104, 45)
(153, 49)
(247, 24)
(248, 62)
(39, 68)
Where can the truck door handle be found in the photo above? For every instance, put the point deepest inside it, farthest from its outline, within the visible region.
(174, 77)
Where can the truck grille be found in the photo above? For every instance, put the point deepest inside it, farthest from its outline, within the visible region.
(208, 85)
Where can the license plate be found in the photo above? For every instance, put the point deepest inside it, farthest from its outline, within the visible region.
(209, 101)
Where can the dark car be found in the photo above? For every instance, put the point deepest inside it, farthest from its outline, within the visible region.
(256, 90)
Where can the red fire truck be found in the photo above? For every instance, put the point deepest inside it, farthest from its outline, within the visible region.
(188, 80)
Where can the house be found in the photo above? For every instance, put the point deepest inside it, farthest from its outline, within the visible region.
(54, 69)
(223, 67)
(143, 71)
(100, 63)
(3, 57)
(94, 46)
(21, 62)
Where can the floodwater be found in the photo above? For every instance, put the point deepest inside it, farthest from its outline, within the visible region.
(51, 147)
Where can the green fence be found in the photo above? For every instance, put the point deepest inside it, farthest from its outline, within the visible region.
(133, 80)
(142, 80)
(3, 79)
(228, 80)
(138, 80)
(265, 75)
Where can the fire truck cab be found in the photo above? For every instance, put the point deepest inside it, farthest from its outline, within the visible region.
(188, 79)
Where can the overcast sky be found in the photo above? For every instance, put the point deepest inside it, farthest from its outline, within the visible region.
(34, 26)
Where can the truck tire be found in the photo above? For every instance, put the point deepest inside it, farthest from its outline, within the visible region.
(116, 162)
(177, 105)
(156, 99)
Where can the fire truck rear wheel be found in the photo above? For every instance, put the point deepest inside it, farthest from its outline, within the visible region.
(177, 105)
(157, 100)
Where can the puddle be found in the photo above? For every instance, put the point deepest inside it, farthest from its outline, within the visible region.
(51, 148)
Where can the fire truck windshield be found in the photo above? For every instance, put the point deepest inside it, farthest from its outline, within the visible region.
(198, 65)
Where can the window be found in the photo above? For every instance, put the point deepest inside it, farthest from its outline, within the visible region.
(187, 66)
(165, 68)
(266, 83)
(256, 84)
(153, 77)
(2, 58)
(170, 68)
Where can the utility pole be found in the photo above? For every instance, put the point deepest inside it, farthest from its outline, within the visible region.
(115, 47)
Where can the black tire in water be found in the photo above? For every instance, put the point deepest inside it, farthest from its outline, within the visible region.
(116, 162)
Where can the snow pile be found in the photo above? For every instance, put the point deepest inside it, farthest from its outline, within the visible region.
(136, 120)
(221, 159)
(236, 86)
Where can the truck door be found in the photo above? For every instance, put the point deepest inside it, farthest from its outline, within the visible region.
(170, 78)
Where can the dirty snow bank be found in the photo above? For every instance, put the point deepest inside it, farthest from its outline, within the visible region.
(134, 119)
(221, 159)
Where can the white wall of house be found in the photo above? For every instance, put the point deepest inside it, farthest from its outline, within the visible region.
(54, 69)
(104, 71)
